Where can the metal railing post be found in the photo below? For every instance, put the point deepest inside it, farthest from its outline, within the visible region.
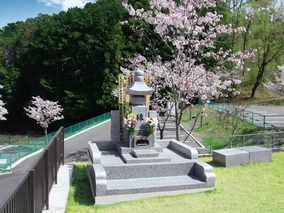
(46, 159)
(264, 121)
(62, 146)
(32, 188)
(56, 160)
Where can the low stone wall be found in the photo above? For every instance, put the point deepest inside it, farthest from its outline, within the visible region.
(187, 151)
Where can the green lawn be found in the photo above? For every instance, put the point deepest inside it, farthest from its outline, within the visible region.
(211, 127)
(256, 187)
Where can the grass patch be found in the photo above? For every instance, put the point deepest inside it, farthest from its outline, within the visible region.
(210, 126)
(271, 98)
(80, 195)
(256, 187)
(17, 139)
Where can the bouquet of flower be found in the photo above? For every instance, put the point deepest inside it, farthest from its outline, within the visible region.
(151, 124)
(130, 122)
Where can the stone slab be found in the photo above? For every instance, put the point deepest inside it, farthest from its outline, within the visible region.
(145, 153)
(115, 125)
(94, 152)
(230, 157)
(258, 153)
(111, 199)
(126, 150)
(130, 159)
(155, 184)
(148, 170)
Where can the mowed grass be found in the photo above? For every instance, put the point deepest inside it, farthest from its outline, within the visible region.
(210, 126)
(256, 187)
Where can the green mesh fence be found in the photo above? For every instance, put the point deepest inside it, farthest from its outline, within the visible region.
(72, 130)
(269, 140)
(15, 147)
(250, 117)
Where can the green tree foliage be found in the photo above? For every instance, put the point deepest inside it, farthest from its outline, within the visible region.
(265, 28)
(72, 57)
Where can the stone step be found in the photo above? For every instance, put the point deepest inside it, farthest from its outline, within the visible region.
(149, 170)
(145, 153)
(127, 150)
(131, 159)
(154, 184)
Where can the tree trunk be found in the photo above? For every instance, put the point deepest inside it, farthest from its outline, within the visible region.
(258, 79)
(162, 134)
(254, 89)
(176, 120)
(45, 132)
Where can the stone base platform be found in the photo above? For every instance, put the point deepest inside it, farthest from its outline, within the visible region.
(115, 170)
(242, 155)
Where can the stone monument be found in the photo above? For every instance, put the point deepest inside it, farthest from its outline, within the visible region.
(138, 93)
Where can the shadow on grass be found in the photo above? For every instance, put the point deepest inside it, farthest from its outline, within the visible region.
(214, 165)
(80, 182)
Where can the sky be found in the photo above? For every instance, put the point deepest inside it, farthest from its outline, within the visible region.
(20, 10)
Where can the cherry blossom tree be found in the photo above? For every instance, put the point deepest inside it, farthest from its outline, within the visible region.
(278, 84)
(44, 112)
(3, 110)
(190, 29)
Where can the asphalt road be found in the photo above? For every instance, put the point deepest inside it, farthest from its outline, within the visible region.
(76, 146)
(267, 116)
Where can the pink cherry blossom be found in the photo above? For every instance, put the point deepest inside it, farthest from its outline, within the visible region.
(188, 33)
(44, 112)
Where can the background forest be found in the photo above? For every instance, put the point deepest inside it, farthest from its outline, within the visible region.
(74, 57)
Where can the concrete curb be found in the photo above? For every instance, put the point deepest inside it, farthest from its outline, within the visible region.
(59, 192)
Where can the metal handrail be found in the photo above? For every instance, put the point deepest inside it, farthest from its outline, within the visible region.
(31, 192)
